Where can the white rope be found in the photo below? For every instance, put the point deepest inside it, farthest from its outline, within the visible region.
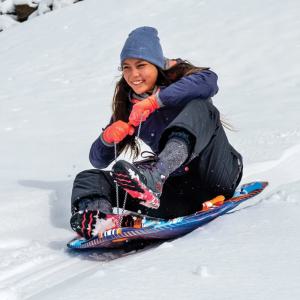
(117, 186)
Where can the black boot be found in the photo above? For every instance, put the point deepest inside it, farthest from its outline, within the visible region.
(143, 180)
(93, 216)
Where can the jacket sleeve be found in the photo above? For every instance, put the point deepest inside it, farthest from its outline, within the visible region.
(200, 85)
(102, 153)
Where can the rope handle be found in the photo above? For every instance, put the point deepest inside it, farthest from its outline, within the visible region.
(117, 186)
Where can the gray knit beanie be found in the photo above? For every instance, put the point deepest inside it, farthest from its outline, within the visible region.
(143, 43)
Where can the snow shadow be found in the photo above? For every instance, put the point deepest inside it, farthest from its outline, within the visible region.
(59, 200)
(109, 254)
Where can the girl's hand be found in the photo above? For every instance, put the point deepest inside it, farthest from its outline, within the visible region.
(141, 110)
(117, 131)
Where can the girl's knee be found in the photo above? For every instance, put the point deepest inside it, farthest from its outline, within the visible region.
(89, 173)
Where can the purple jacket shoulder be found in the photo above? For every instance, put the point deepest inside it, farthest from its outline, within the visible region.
(200, 85)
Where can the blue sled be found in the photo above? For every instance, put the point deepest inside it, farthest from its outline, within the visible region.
(167, 229)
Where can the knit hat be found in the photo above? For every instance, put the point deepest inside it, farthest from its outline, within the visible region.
(143, 43)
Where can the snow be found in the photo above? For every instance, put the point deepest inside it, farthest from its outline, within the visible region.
(6, 22)
(57, 76)
(8, 13)
(6, 6)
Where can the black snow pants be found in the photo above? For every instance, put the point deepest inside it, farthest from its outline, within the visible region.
(214, 168)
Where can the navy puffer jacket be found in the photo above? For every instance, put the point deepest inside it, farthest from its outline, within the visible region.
(201, 85)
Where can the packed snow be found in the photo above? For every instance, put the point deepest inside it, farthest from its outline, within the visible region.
(9, 16)
(57, 76)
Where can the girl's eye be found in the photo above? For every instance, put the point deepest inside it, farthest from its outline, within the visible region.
(141, 65)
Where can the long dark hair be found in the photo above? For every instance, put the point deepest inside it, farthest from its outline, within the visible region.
(121, 104)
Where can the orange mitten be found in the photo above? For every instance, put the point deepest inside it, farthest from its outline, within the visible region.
(141, 110)
(117, 131)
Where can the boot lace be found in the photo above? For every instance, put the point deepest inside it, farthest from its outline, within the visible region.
(150, 158)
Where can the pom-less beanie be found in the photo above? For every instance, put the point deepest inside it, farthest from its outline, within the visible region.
(143, 43)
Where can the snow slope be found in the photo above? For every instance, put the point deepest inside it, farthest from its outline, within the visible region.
(57, 75)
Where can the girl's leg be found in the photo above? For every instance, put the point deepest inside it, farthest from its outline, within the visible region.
(91, 186)
(93, 197)
(91, 203)
(214, 162)
(195, 139)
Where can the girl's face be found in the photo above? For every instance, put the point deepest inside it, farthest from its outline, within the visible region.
(140, 75)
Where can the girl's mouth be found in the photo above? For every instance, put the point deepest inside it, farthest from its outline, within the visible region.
(137, 82)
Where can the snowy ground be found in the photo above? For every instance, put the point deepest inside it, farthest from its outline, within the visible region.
(57, 74)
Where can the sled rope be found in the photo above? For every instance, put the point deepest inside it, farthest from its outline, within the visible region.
(117, 186)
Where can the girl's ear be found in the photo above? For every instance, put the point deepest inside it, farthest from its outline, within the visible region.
(170, 63)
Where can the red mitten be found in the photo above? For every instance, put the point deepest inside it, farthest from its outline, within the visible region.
(117, 131)
(141, 110)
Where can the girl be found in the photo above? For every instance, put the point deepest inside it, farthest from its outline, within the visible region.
(167, 104)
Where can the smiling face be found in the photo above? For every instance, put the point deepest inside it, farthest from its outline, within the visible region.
(140, 75)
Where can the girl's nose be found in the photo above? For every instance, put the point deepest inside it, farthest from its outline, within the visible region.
(135, 72)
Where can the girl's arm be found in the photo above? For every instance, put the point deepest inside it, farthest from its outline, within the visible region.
(101, 153)
(200, 85)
